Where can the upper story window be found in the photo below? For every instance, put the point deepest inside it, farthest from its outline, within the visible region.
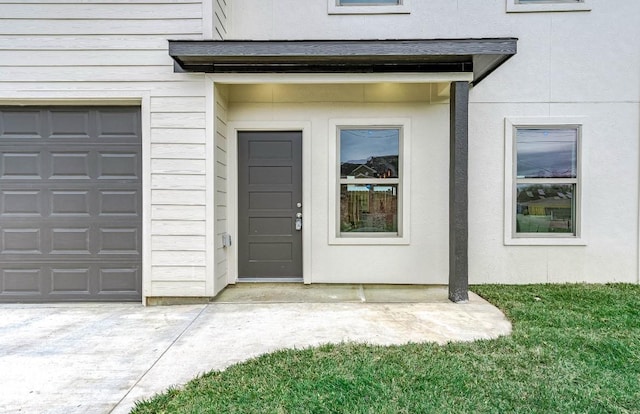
(368, 6)
(547, 5)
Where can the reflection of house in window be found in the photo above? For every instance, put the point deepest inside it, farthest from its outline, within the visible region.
(551, 212)
(385, 166)
(362, 171)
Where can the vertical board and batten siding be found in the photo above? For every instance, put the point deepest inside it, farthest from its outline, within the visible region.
(66, 49)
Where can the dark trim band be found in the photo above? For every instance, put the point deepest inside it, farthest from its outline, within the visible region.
(477, 56)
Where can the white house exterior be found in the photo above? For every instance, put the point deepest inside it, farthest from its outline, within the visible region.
(144, 144)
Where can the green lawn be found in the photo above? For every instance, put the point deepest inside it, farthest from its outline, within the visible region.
(574, 349)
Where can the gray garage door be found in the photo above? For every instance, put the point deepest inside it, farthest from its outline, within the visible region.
(70, 204)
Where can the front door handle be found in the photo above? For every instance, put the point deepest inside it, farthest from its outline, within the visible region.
(298, 221)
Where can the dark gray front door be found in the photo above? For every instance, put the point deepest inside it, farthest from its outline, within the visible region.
(70, 204)
(269, 200)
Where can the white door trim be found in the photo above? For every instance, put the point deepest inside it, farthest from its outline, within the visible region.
(232, 159)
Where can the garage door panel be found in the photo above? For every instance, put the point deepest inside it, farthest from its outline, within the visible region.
(118, 166)
(119, 279)
(40, 162)
(20, 124)
(70, 124)
(70, 204)
(70, 166)
(20, 165)
(124, 241)
(20, 203)
(70, 241)
(117, 124)
(20, 281)
(61, 282)
(20, 241)
(70, 281)
(119, 203)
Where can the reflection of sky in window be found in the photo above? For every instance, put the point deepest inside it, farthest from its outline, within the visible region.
(358, 145)
(547, 153)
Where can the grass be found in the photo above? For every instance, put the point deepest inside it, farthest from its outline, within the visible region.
(574, 349)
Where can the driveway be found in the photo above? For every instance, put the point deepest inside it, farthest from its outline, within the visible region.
(101, 358)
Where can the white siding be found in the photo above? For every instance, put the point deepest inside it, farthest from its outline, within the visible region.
(52, 50)
(178, 186)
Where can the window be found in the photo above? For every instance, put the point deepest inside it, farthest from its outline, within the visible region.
(368, 170)
(368, 6)
(547, 5)
(545, 181)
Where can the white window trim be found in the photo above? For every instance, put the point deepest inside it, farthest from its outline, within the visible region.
(403, 8)
(547, 6)
(510, 238)
(404, 187)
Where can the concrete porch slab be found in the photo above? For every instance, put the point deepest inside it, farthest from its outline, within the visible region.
(331, 293)
(101, 358)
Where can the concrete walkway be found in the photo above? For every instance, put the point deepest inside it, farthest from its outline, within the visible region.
(101, 358)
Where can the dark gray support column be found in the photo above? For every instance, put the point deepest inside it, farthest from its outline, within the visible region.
(458, 193)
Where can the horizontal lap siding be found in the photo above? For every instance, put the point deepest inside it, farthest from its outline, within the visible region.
(51, 47)
(178, 194)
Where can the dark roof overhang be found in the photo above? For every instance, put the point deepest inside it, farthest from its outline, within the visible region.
(477, 56)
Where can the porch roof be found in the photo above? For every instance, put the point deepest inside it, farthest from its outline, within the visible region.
(477, 56)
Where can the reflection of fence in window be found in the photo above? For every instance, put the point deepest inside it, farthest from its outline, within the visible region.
(369, 208)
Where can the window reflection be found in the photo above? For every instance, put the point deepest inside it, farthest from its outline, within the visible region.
(369, 208)
(369, 153)
(369, 180)
(547, 153)
(545, 208)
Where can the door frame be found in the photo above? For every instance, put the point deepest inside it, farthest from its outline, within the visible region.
(232, 189)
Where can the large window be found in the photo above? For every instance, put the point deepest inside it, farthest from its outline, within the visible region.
(546, 181)
(369, 180)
